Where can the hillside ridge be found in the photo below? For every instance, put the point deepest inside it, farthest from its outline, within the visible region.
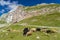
(21, 12)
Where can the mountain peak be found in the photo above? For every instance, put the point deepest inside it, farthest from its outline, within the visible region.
(17, 7)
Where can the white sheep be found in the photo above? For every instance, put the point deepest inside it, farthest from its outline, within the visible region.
(29, 33)
(33, 29)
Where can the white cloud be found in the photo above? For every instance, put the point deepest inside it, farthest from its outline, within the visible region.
(46, 3)
(2, 2)
(43, 4)
(52, 3)
(11, 5)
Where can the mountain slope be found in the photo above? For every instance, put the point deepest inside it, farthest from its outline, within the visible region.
(21, 12)
(32, 18)
(43, 20)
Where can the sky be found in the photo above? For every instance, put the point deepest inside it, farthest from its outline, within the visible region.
(7, 5)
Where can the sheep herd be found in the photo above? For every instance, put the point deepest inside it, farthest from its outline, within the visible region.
(29, 31)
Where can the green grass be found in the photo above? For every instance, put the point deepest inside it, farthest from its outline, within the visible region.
(44, 20)
(19, 35)
(38, 7)
(2, 22)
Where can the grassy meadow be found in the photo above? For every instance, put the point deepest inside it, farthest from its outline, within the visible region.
(52, 20)
(6, 35)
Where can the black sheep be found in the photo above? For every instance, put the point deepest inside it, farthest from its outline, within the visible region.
(50, 31)
(25, 31)
(38, 29)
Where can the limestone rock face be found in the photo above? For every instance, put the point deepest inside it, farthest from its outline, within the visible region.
(17, 14)
(14, 15)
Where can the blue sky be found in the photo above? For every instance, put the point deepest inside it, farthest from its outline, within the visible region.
(7, 5)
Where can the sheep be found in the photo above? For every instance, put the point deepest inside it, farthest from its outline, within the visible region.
(43, 30)
(54, 30)
(33, 29)
(25, 31)
(29, 33)
(51, 31)
(38, 29)
(48, 30)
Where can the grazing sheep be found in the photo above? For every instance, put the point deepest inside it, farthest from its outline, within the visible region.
(50, 31)
(25, 31)
(55, 31)
(33, 29)
(38, 29)
(29, 33)
(43, 30)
